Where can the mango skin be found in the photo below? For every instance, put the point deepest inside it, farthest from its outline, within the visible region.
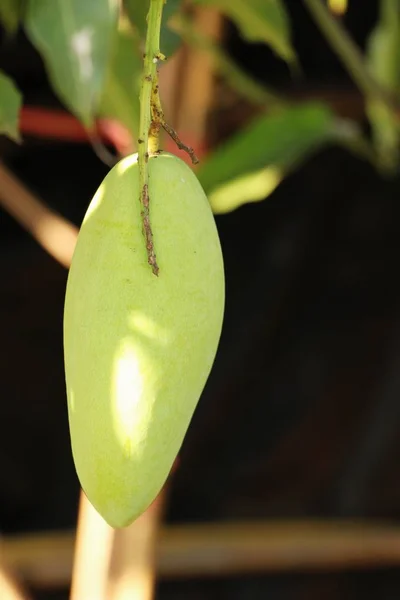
(138, 349)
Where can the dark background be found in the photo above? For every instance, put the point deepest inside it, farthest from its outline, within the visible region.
(301, 414)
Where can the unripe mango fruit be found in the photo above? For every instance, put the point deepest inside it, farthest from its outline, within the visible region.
(138, 348)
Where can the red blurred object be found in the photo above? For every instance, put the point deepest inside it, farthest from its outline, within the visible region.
(59, 125)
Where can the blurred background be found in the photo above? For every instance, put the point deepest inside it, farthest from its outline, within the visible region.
(296, 435)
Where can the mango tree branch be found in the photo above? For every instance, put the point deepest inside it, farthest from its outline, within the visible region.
(54, 233)
(151, 57)
(10, 587)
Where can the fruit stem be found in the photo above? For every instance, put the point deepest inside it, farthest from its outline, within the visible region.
(151, 57)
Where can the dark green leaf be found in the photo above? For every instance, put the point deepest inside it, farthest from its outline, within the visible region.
(120, 98)
(10, 105)
(263, 21)
(75, 39)
(11, 12)
(264, 150)
(137, 12)
(384, 61)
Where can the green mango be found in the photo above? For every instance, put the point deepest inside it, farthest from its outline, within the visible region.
(138, 348)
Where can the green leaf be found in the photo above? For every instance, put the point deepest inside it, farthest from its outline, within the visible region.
(120, 98)
(137, 12)
(251, 187)
(383, 54)
(75, 39)
(251, 164)
(264, 21)
(10, 105)
(11, 12)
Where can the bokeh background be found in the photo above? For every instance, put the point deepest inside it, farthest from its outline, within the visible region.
(300, 418)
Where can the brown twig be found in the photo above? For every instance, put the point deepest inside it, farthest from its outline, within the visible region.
(132, 570)
(190, 550)
(10, 587)
(196, 83)
(54, 233)
(188, 149)
(158, 120)
(93, 548)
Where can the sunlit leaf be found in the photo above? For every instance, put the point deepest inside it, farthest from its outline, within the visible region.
(263, 21)
(383, 54)
(10, 105)
(251, 164)
(11, 12)
(251, 187)
(120, 98)
(74, 38)
(137, 13)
